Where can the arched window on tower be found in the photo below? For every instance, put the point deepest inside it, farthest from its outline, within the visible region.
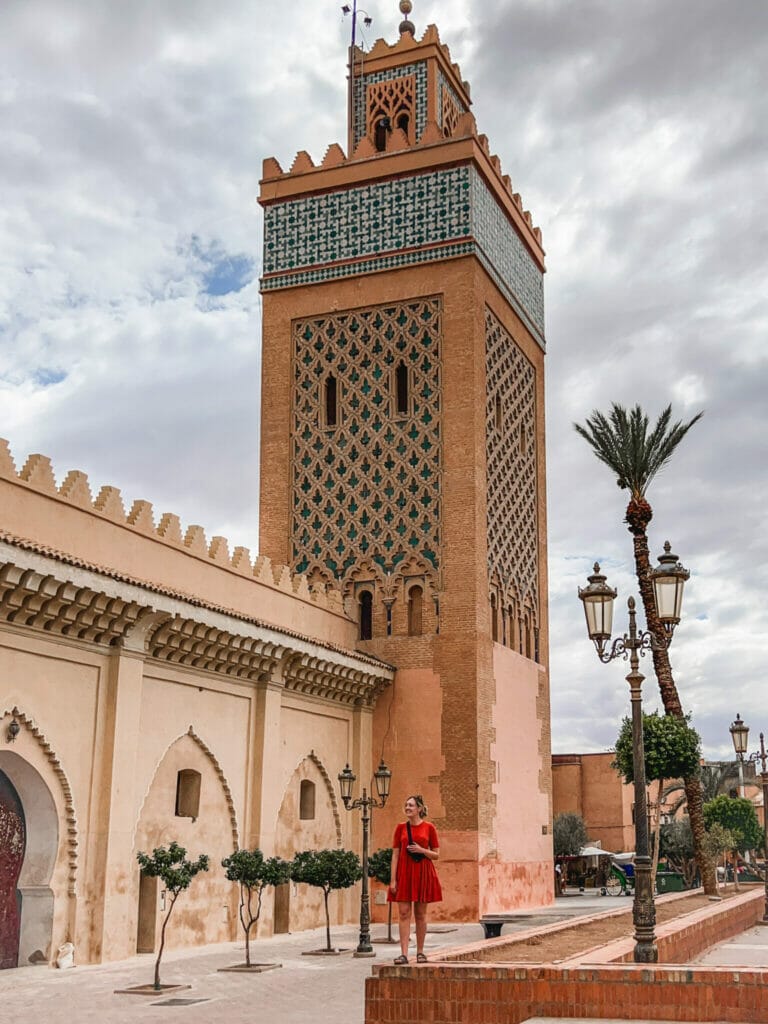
(527, 635)
(331, 407)
(380, 134)
(415, 611)
(401, 388)
(366, 615)
(494, 619)
(403, 122)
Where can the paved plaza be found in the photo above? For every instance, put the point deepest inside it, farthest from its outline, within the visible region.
(305, 990)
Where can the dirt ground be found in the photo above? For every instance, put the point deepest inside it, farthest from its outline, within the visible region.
(578, 937)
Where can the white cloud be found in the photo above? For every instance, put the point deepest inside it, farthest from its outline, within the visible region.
(132, 139)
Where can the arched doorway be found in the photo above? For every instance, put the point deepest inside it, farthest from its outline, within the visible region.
(13, 841)
(34, 898)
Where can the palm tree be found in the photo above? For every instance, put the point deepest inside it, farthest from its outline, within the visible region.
(635, 453)
(714, 780)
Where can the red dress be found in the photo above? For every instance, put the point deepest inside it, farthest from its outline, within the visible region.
(417, 881)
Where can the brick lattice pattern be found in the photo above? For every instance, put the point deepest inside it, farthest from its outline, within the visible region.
(511, 469)
(370, 486)
(393, 99)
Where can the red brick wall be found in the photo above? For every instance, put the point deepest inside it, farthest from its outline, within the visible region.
(509, 994)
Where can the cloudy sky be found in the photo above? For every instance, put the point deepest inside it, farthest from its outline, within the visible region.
(131, 142)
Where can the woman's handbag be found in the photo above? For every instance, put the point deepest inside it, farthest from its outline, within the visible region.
(414, 856)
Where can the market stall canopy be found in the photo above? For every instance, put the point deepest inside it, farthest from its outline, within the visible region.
(594, 851)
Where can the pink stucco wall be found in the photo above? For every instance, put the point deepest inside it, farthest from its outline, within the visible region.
(517, 871)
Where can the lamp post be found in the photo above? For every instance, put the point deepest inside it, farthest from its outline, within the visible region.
(740, 735)
(668, 580)
(382, 777)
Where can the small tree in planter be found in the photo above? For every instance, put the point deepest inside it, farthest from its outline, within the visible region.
(171, 866)
(327, 870)
(737, 815)
(672, 751)
(717, 843)
(253, 873)
(380, 868)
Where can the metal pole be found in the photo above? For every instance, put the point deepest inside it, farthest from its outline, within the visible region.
(764, 780)
(742, 794)
(364, 947)
(643, 907)
(351, 103)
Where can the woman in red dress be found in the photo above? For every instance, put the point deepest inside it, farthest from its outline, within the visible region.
(414, 879)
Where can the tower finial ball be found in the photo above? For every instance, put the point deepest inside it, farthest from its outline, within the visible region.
(406, 6)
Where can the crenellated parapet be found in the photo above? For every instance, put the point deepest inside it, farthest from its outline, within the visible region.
(36, 476)
(417, 87)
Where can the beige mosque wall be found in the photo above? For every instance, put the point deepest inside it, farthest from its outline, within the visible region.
(118, 687)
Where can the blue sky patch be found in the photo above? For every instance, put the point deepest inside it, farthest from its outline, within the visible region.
(47, 376)
(222, 272)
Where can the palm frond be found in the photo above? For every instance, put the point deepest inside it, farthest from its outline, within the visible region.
(622, 442)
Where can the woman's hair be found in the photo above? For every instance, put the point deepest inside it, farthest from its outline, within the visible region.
(419, 801)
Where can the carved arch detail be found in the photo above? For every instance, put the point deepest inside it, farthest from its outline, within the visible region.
(312, 756)
(219, 774)
(66, 790)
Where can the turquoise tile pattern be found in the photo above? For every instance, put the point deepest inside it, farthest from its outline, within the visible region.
(369, 485)
(406, 221)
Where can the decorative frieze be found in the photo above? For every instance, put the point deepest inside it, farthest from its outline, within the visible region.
(401, 222)
(41, 594)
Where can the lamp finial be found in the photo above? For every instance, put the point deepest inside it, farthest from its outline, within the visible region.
(406, 25)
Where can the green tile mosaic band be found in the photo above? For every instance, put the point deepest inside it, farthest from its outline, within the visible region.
(420, 213)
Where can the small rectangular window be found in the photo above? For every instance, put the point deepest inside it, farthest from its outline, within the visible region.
(188, 793)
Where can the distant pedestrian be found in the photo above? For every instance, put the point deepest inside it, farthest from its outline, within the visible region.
(415, 848)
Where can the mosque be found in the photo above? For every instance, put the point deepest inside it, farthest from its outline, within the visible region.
(156, 685)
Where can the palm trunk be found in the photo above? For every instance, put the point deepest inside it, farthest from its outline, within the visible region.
(669, 695)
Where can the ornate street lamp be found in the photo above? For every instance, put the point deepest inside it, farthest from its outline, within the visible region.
(382, 778)
(740, 735)
(668, 579)
(598, 600)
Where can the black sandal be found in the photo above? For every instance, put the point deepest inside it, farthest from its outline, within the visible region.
(421, 958)
(400, 960)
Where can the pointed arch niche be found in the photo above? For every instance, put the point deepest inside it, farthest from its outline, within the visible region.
(294, 833)
(213, 830)
(47, 880)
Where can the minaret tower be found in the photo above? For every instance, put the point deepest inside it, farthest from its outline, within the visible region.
(402, 450)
